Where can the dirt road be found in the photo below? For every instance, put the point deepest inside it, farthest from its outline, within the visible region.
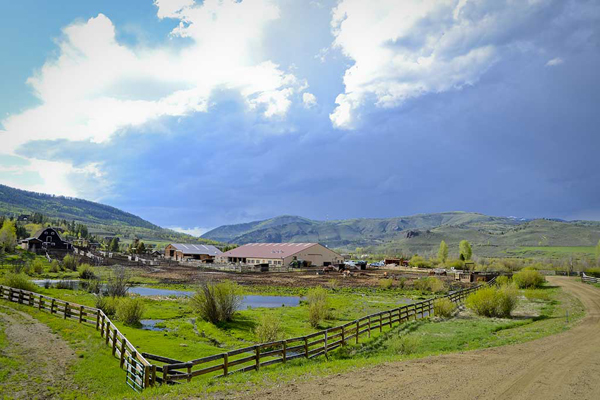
(564, 366)
(38, 358)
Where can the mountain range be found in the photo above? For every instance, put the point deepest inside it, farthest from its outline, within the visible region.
(422, 233)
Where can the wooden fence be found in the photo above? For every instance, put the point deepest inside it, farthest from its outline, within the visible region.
(589, 279)
(141, 373)
(137, 367)
(254, 357)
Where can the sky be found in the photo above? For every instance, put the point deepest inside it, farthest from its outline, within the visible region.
(194, 114)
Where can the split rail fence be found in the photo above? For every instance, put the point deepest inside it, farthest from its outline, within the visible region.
(140, 373)
(136, 366)
(589, 279)
(255, 357)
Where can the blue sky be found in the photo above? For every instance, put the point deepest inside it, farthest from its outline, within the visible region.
(198, 114)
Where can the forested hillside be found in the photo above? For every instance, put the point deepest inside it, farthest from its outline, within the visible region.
(100, 218)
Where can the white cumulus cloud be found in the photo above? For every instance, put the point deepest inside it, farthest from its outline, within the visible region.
(554, 62)
(405, 49)
(96, 86)
(309, 100)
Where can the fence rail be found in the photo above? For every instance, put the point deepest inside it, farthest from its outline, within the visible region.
(140, 373)
(589, 279)
(137, 366)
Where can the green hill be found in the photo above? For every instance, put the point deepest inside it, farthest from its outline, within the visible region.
(490, 236)
(100, 218)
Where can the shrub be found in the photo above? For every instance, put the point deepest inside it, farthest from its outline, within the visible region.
(130, 311)
(528, 278)
(430, 284)
(70, 262)
(402, 282)
(86, 272)
(62, 284)
(385, 284)
(93, 286)
(19, 281)
(443, 307)
(506, 301)
(106, 304)
(268, 329)
(593, 272)
(119, 282)
(318, 306)
(217, 302)
(37, 266)
(54, 266)
(502, 280)
(419, 262)
(456, 264)
(493, 302)
(403, 344)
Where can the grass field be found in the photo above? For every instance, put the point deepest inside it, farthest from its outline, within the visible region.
(541, 312)
(552, 251)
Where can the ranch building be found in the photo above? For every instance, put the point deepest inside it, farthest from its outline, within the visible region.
(281, 254)
(48, 238)
(202, 252)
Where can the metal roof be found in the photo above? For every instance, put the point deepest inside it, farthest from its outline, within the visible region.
(197, 249)
(268, 250)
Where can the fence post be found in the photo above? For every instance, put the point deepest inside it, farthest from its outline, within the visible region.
(357, 329)
(41, 304)
(306, 346)
(146, 376)
(114, 344)
(122, 358)
(165, 374)
(225, 364)
(257, 350)
(369, 335)
(380, 323)
(284, 355)
(80, 314)
(153, 382)
(20, 296)
(66, 311)
(189, 370)
(52, 307)
(97, 319)
(10, 294)
(343, 336)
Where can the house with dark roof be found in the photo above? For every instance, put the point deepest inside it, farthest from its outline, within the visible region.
(48, 238)
(281, 254)
(202, 252)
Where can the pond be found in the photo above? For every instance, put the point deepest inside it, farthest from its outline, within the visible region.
(250, 301)
(150, 324)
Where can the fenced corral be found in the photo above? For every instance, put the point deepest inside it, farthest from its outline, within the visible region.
(137, 367)
(253, 358)
(140, 373)
(589, 279)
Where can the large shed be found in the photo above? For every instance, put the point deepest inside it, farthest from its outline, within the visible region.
(48, 238)
(181, 251)
(281, 254)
